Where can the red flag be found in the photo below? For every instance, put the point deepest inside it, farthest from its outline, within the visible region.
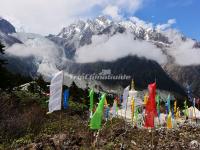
(151, 106)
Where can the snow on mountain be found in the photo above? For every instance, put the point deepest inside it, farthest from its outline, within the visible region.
(81, 33)
(169, 41)
(6, 29)
(46, 55)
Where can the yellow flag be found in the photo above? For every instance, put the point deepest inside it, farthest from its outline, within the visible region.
(169, 120)
(177, 113)
(175, 106)
(145, 99)
(106, 103)
(132, 106)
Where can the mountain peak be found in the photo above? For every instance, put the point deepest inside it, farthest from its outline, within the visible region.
(103, 20)
(6, 27)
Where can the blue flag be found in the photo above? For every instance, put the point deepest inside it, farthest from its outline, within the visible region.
(166, 106)
(66, 99)
(168, 103)
(173, 113)
(121, 99)
(194, 101)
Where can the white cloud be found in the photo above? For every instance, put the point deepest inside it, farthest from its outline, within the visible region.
(167, 25)
(185, 54)
(117, 46)
(49, 16)
(35, 45)
(112, 11)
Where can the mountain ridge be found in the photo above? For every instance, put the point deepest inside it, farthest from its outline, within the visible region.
(80, 34)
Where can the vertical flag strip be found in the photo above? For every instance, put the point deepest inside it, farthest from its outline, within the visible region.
(151, 106)
(158, 104)
(177, 113)
(145, 99)
(186, 109)
(95, 122)
(107, 111)
(132, 109)
(66, 99)
(136, 116)
(56, 92)
(194, 101)
(175, 106)
(114, 108)
(125, 97)
(91, 95)
(169, 121)
(168, 103)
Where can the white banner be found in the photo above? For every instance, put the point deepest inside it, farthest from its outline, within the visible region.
(125, 97)
(56, 92)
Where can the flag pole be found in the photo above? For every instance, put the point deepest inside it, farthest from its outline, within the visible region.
(125, 113)
(61, 106)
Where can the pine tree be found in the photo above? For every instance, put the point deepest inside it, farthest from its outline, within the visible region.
(2, 68)
(2, 62)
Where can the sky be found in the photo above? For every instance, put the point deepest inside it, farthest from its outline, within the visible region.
(48, 16)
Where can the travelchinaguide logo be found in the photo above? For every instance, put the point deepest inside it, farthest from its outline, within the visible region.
(105, 74)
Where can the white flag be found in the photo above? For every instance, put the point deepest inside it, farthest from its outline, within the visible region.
(56, 92)
(114, 108)
(125, 97)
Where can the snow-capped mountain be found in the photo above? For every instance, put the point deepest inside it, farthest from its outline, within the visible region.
(5, 30)
(162, 52)
(80, 33)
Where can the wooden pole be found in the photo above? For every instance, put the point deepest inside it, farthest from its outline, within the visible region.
(60, 120)
(125, 113)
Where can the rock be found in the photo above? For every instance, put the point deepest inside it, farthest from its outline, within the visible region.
(194, 144)
(58, 140)
(133, 142)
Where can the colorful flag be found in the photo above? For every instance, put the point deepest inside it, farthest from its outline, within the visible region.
(107, 112)
(158, 104)
(95, 122)
(136, 115)
(121, 99)
(186, 109)
(91, 95)
(66, 99)
(194, 101)
(172, 113)
(168, 103)
(177, 113)
(114, 108)
(132, 107)
(175, 105)
(169, 121)
(151, 106)
(166, 107)
(125, 97)
(145, 98)
(56, 92)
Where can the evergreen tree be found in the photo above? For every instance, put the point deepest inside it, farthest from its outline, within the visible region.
(2, 62)
(2, 68)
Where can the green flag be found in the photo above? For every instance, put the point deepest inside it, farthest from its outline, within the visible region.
(186, 109)
(91, 95)
(136, 114)
(158, 104)
(95, 122)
